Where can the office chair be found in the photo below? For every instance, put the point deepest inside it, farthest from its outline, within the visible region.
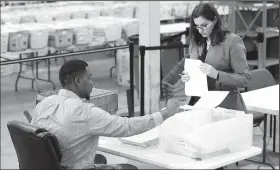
(35, 147)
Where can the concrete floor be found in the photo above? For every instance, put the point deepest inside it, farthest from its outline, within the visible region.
(13, 103)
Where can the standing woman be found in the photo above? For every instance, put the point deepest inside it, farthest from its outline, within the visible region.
(223, 55)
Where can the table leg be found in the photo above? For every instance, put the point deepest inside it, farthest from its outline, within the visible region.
(36, 76)
(115, 66)
(270, 132)
(49, 74)
(264, 138)
(274, 133)
(111, 71)
(37, 67)
(19, 74)
(32, 69)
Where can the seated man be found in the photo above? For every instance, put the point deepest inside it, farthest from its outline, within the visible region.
(78, 125)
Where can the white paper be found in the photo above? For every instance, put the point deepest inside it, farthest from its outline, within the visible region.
(197, 85)
(186, 107)
(144, 139)
(211, 99)
(208, 100)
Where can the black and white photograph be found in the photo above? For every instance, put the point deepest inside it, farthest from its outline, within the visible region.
(128, 85)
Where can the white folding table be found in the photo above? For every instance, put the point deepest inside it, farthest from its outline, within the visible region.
(264, 100)
(154, 156)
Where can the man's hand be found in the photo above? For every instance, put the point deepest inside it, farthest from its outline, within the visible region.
(172, 107)
(185, 77)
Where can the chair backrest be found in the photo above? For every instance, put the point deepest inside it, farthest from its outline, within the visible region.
(36, 148)
(260, 78)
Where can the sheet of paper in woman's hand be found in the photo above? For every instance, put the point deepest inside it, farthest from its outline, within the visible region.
(197, 85)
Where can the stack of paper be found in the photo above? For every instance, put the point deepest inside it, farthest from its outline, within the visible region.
(143, 140)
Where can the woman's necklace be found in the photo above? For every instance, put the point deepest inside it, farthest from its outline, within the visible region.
(208, 41)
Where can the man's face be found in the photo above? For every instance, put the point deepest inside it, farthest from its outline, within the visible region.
(85, 84)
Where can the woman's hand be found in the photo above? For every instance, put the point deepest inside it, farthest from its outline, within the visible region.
(185, 77)
(209, 70)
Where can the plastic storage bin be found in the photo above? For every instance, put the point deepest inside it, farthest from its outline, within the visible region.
(95, 12)
(106, 30)
(18, 40)
(83, 31)
(61, 36)
(125, 10)
(104, 99)
(44, 17)
(180, 9)
(10, 17)
(130, 27)
(80, 12)
(122, 66)
(166, 10)
(61, 14)
(205, 133)
(4, 39)
(27, 17)
(11, 68)
(6, 69)
(108, 10)
(38, 35)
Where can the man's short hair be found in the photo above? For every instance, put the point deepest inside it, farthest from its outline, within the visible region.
(71, 68)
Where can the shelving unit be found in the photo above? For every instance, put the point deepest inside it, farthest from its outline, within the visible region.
(261, 7)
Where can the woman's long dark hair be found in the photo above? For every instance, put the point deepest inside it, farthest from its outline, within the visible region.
(207, 11)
